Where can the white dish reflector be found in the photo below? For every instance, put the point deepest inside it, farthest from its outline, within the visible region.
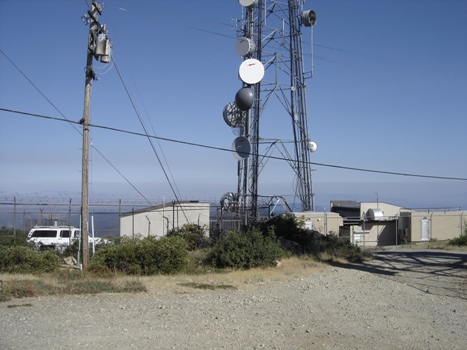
(251, 71)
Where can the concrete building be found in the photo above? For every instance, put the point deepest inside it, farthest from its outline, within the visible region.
(157, 220)
(381, 224)
(426, 225)
(325, 223)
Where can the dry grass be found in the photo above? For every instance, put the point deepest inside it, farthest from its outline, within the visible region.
(288, 269)
(77, 282)
(63, 283)
(444, 245)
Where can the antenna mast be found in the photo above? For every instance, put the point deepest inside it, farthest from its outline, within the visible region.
(270, 34)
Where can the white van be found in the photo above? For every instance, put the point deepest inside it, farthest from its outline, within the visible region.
(55, 236)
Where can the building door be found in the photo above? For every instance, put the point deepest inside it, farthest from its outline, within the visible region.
(425, 230)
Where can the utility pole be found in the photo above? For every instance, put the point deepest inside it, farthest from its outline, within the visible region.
(99, 47)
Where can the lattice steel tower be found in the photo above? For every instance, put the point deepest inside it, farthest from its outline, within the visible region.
(270, 41)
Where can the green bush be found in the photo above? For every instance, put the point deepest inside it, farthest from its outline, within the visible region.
(245, 250)
(71, 250)
(289, 229)
(336, 247)
(460, 241)
(10, 237)
(147, 256)
(20, 259)
(193, 234)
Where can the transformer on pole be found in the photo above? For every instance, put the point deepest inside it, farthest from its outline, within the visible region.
(270, 42)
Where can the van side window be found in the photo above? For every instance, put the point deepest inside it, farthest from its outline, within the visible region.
(65, 233)
(44, 233)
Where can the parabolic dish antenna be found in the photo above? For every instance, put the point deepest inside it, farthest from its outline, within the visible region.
(244, 98)
(251, 71)
(312, 146)
(309, 18)
(241, 148)
(232, 115)
(245, 46)
(247, 3)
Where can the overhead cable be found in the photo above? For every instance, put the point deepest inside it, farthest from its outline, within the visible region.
(342, 167)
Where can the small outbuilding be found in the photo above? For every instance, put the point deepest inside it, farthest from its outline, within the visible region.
(382, 224)
(157, 221)
(425, 225)
(324, 222)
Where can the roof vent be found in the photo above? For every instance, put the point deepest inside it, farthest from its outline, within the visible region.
(375, 214)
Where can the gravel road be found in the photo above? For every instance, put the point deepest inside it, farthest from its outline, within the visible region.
(401, 300)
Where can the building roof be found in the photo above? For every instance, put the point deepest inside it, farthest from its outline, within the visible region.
(345, 204)
(161, 206)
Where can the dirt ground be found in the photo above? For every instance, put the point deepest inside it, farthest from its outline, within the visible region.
(403, 299)
(431, 271)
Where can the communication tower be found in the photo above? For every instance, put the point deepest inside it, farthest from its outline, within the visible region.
(270, 42)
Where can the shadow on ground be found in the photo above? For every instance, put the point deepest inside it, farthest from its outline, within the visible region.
(431, 271)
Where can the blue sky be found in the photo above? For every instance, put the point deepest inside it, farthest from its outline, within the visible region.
(388, 93)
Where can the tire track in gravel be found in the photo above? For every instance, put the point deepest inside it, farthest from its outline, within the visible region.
(436, 272)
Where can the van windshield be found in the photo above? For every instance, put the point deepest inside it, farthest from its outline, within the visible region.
(44, 233)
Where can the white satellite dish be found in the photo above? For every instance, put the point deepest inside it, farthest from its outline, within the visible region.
(245, 47)
(241, 148)
(312, 146)
(251, 71)
(247, 3)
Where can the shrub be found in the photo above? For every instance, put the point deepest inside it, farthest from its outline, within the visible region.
(286, 227)
(460, 241)
(11, 237)
(289, 230)
(71, 250)
(336, 247)
(245, 250)
(193, 234)
(20, 259)
(147, 256)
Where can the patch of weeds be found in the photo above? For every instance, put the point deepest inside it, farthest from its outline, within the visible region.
(459, 241)
(22, 289)
(208, 286)
(255, 279)
(90, 287)
(62, 285)
(134, 286)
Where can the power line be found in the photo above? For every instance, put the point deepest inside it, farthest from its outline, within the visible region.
(150, 141)
(148, 119)
(100, 153)
(342, 167)
(72, 124)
